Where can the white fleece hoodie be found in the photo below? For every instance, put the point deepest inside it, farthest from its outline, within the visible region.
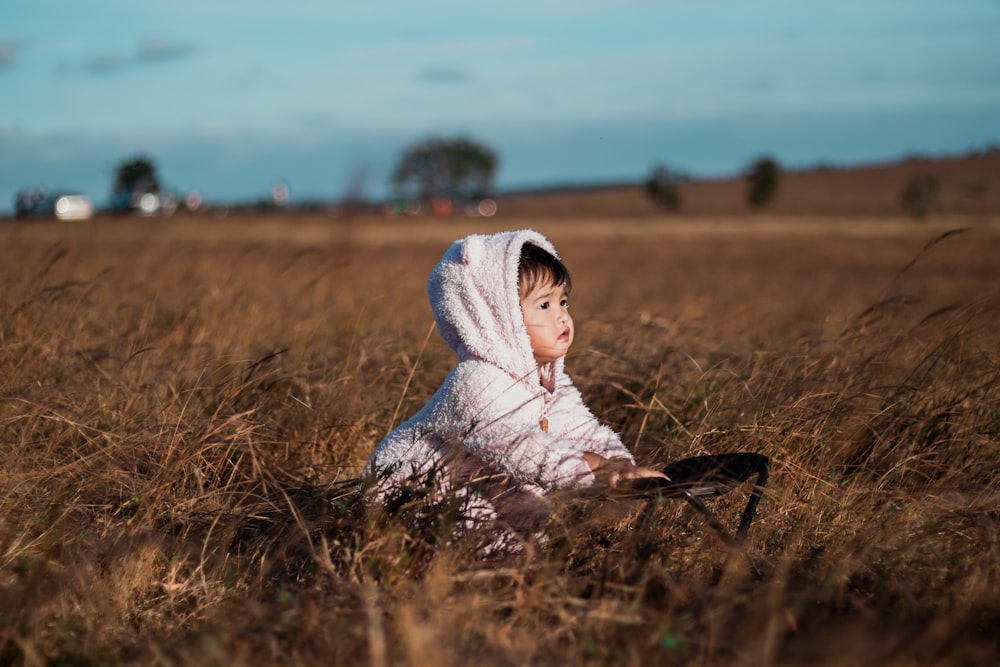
(487, 416)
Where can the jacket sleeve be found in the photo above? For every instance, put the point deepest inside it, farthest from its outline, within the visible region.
(498, 418)
(571, 420)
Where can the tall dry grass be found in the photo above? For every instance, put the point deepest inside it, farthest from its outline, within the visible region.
(182, 417)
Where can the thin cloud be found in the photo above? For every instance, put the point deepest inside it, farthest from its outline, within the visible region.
(104, 63)
(155, 49)
(444, 75)
(872, 75)
(150, 50)
(762, 85)
(8, 54)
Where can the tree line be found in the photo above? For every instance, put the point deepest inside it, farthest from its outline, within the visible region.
(462, 169)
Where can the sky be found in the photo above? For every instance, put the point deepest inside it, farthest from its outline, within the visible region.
(231, 98)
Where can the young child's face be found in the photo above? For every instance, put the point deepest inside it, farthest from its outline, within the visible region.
(546, 316)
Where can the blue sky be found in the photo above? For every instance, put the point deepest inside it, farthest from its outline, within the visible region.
(233, 97)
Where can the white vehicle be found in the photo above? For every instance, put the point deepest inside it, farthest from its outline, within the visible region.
(73, 207)
(61, 205)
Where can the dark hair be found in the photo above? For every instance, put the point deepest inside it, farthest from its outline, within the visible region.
(539, 265)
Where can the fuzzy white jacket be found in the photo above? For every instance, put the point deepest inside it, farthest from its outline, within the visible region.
(492, 413)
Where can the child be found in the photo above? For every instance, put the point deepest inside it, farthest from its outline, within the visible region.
(508, 425)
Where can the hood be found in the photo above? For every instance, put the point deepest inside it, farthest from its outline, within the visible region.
(473, 292)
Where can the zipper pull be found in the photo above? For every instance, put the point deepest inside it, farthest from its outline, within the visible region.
(544, 424)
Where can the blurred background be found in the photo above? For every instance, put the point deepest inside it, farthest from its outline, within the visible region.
(312, 100)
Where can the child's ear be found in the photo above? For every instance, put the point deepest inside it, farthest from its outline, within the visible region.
(472, 249)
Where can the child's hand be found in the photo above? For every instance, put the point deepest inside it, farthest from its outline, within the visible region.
(638, 472)
(612, 471)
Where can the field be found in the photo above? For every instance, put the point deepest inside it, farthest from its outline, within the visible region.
(184, 406)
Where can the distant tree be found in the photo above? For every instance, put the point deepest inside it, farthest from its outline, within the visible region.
(919, 194)
(663, 187)
(763, 177)
(27, 201)
(135, 175)
(446, 168)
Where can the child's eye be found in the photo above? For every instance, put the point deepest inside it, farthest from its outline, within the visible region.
(544, 305)
(564, 303)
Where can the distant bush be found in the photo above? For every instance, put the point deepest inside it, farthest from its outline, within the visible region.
(919, 194)
(662, 186)
(763, 177)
